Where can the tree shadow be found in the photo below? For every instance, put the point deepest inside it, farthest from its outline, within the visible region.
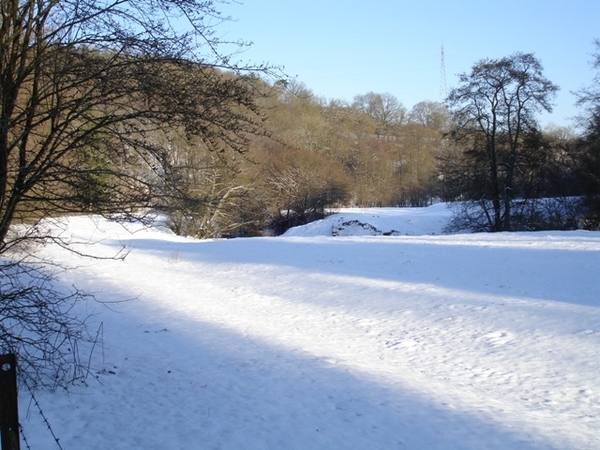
(556, 273)
(167, 381)
(212, 385)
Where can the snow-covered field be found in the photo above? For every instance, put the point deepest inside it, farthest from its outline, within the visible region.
(387, 335)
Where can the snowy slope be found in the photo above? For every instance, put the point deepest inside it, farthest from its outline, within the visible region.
(397, 338)
(378, 222)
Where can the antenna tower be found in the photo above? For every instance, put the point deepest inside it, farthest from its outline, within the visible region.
(443, 89)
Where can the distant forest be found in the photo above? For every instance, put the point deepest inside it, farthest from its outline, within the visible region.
(111, 118)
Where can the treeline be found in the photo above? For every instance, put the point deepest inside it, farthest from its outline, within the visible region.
(224, 155)
(97, 124)
(297, 156)
(318, 154)
(314, 155)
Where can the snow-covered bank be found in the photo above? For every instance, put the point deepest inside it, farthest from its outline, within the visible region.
(409, 340)
(378, 222)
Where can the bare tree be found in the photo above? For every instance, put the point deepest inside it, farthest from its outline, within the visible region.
(494, 113)
(385, 109)
(589, 145)
(86, 89)
(588, 98)
(84, 82)
(431, 115)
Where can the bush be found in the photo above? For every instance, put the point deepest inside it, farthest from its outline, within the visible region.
(561, 213)
(37, 324)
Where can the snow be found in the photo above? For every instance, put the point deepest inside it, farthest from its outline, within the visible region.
(388, 335)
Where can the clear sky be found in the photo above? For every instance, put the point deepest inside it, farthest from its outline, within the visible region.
(343, 48)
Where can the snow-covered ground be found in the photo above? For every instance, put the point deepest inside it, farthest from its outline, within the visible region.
(367, 330)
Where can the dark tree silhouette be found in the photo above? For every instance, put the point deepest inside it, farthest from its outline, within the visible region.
(494, 113)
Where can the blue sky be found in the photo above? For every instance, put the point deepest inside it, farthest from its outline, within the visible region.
(343, 48)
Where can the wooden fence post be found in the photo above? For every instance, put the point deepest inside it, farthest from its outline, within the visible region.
(9, 413)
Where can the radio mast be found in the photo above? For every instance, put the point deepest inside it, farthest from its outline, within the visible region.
(443, 89)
